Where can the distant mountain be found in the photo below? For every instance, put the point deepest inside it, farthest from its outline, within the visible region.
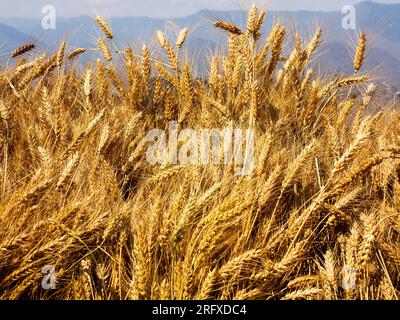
(380, 21)
(382, 17)
(10, 38)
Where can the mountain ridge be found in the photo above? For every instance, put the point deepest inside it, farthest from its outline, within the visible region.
(378, 20)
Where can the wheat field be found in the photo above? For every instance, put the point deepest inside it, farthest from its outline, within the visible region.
(318, 217)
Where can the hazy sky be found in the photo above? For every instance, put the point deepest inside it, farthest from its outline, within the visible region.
(159, 8)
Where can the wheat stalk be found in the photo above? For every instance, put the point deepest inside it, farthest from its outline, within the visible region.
(23, 49)
(360, 53)
(105, 27)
